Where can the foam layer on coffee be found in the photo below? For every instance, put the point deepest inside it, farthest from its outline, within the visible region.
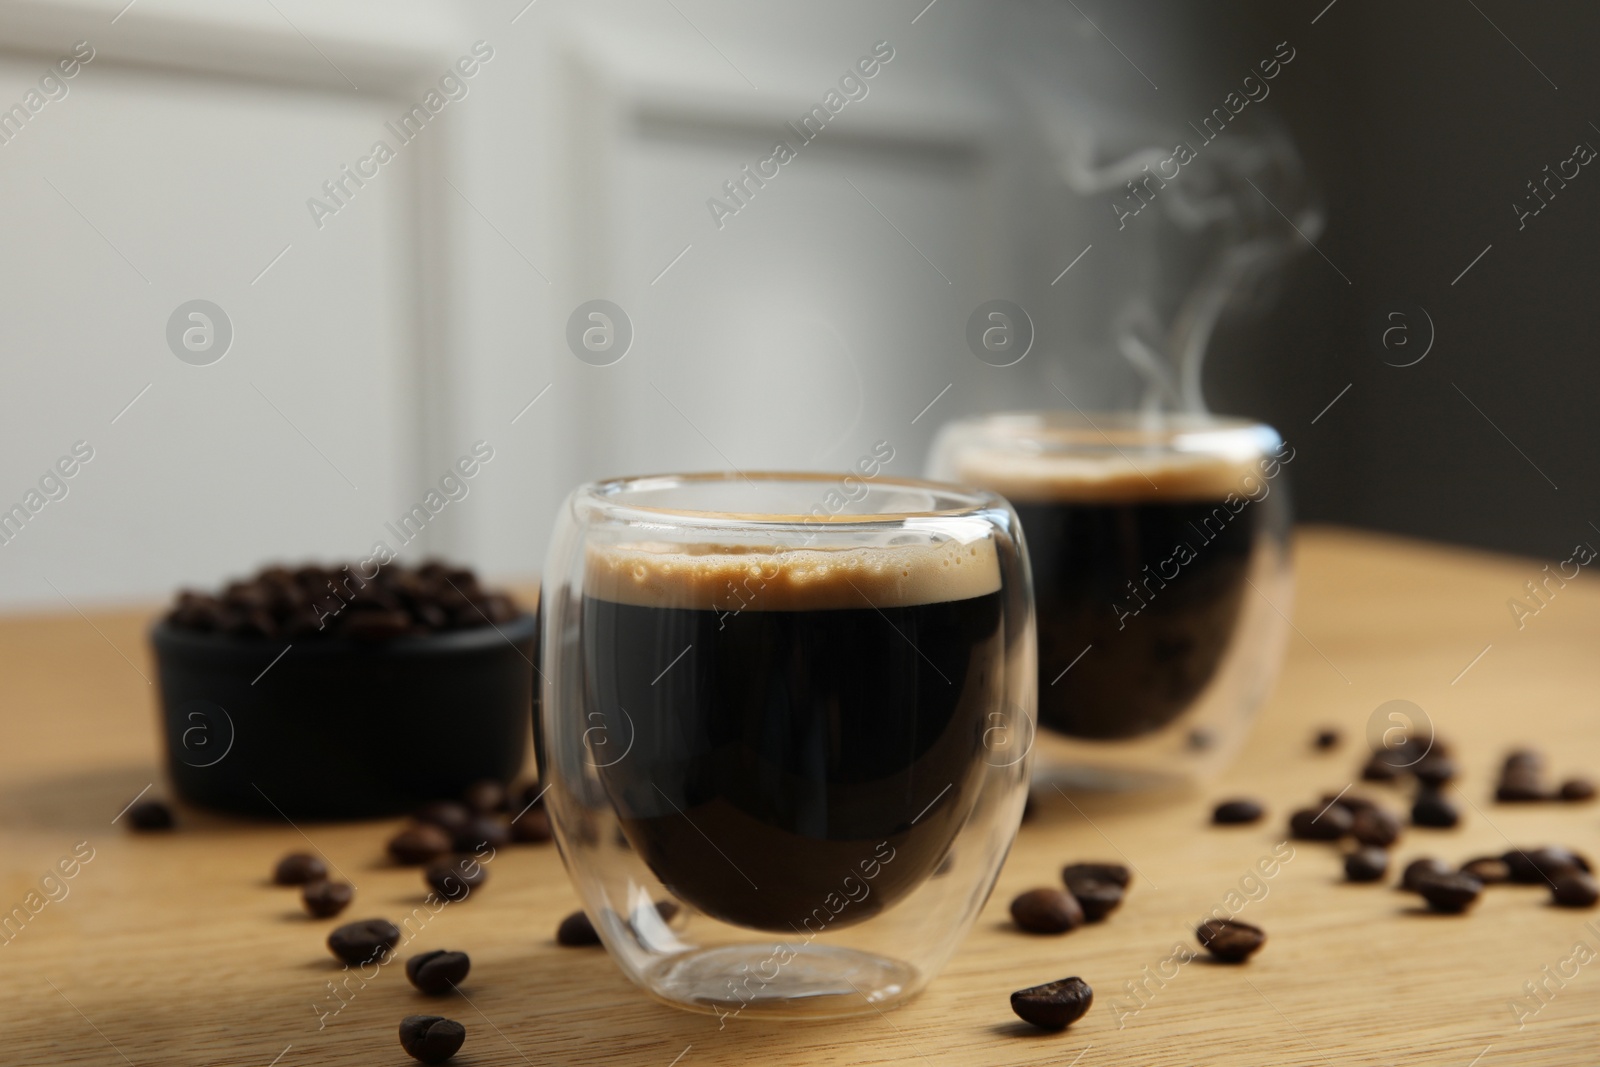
(724, 578)
(1110, 478)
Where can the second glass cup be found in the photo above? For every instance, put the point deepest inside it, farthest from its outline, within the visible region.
(798, 708)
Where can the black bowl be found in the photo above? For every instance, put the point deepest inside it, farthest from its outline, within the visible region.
(343, 729)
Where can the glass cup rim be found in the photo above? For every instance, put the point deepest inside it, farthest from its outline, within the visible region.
(1078, 430)
(604, 497)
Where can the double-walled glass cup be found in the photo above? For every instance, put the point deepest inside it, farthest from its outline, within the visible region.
(785, 729)
(1159, 547)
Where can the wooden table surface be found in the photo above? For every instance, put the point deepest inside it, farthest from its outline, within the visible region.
(174, 950)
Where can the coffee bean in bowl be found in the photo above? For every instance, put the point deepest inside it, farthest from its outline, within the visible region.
(359, 691)
(1054, 1005)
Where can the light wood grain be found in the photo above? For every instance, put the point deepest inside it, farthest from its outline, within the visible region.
(174, 950)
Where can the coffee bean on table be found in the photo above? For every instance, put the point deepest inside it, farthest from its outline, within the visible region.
(1378, 769)
(150, 815)
(1354, 801)
(1449, 893)
(1054, 1005)
(532, 827)
(1116, 873)
(1097, 899)
(456, 878)
(422, 843)
(448, 815)
(1230, 940)
(1434, 771)
(1327, 738)
(575, 930)
(324, 900)
(1433, 809)
(1047, 911)
(1237, 812)
(1520, 790)
(431, 1038)
(1529, 866)
(1376, 826)
(1490, 870)
(438, 972)
(1321, 824)
(1421, 868)
(366, 941)
(1575, 889)
(1577, 789)
(486, 796)
(299, 868)
(1366, 864)
(482, 831)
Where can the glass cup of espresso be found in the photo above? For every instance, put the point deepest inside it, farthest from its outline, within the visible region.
(1159, 549)
(785, 730)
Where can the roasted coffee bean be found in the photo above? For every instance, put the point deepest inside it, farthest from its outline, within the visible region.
(1235, 812)
(1434, 771)
(448, 815)
(1575, 889)
(367, 941)
(431, 1038)
(299, 868)
(1047, 911)
(324, 900)
(1321, 824)
(1375, 826)
(1418, 869)
(482, 831)
(486, 796)
(1327, 738)
(1434, 810)
(438, 972)
(1490, 870)
(422, 843)
(532, 827)
(1378, 769)
(1097, 899)
(1230, 940)
(1523, 760)
(150, 815)
(1054, 1005)
(1449, 893)
(1528, 866)
(455, 879)
(376, 625)
(1577, 789)
(575, 930)
(1356, 802)
(1366, 864)
(1520, 789)
(1115, 873)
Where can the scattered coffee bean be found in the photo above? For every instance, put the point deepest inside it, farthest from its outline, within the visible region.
(1378, 769)
(1327, 738)
(438, 972)
(367, 941)
(575, 930)
(150, 815)
(299, 868)
(486, 796)
(455, 879)
(1490, 870)
(1230, 940)
(1523, 761)
(1434, 771)
(1047, 911)
(448, 815)
(1375, 826)
(1433, 809)
(1575, 889)
(431, 1038)
(1054, 1005)
(1366, 864)
(1528, 866)
(324, 900)
(1418, 869)
(1450, 893)
(1236, 812)
(532, 827)
(1520, 791)
(422, 843)
(1115, 873)
(1097, 899)
(482, 831)
(1321, 824)
(1356, 802)
(1577, 789)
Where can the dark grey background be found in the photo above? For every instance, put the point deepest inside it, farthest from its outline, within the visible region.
(1421, 124)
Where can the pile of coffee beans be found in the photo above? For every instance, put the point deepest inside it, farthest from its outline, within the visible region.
(1522, 781)
(324, 601)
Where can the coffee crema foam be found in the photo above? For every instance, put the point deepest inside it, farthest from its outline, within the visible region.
(724, 577)
(1111, 478)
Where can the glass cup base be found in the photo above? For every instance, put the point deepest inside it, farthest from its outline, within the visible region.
(819, 982)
